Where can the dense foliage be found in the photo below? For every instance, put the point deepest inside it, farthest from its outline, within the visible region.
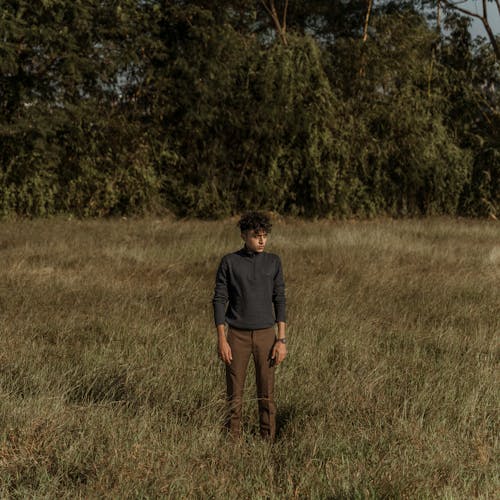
(200, 108)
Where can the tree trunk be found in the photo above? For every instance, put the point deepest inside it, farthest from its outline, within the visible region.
(279, 25)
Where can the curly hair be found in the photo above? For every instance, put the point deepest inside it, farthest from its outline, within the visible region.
(255, 221)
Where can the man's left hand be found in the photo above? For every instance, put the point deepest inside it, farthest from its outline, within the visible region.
(278, 353)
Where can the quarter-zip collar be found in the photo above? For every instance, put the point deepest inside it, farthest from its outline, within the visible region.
(246, 251)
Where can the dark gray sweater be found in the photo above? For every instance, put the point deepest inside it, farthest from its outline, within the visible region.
(252, 283)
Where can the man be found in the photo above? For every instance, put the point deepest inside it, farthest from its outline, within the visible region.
(250, 281)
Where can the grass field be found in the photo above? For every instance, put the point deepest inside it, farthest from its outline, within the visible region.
(110, 385)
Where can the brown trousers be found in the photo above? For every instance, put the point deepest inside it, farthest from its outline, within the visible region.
(258, 343)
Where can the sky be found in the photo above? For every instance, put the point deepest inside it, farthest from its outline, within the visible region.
(477, 28)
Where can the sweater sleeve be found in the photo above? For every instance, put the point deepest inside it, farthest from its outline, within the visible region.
(220, 294)
(279, 299)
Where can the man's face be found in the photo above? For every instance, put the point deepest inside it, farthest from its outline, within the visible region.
(255, 240)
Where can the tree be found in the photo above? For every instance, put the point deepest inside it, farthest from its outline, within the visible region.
(278, 21)
(457, 6)
(308, 107)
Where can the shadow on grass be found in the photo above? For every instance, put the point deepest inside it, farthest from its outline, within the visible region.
(284, 419)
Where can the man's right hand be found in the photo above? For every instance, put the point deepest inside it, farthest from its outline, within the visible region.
(225, 351)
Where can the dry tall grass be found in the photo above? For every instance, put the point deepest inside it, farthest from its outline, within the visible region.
(110, 384)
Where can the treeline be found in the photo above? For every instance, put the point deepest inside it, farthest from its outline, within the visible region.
(206, 108)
